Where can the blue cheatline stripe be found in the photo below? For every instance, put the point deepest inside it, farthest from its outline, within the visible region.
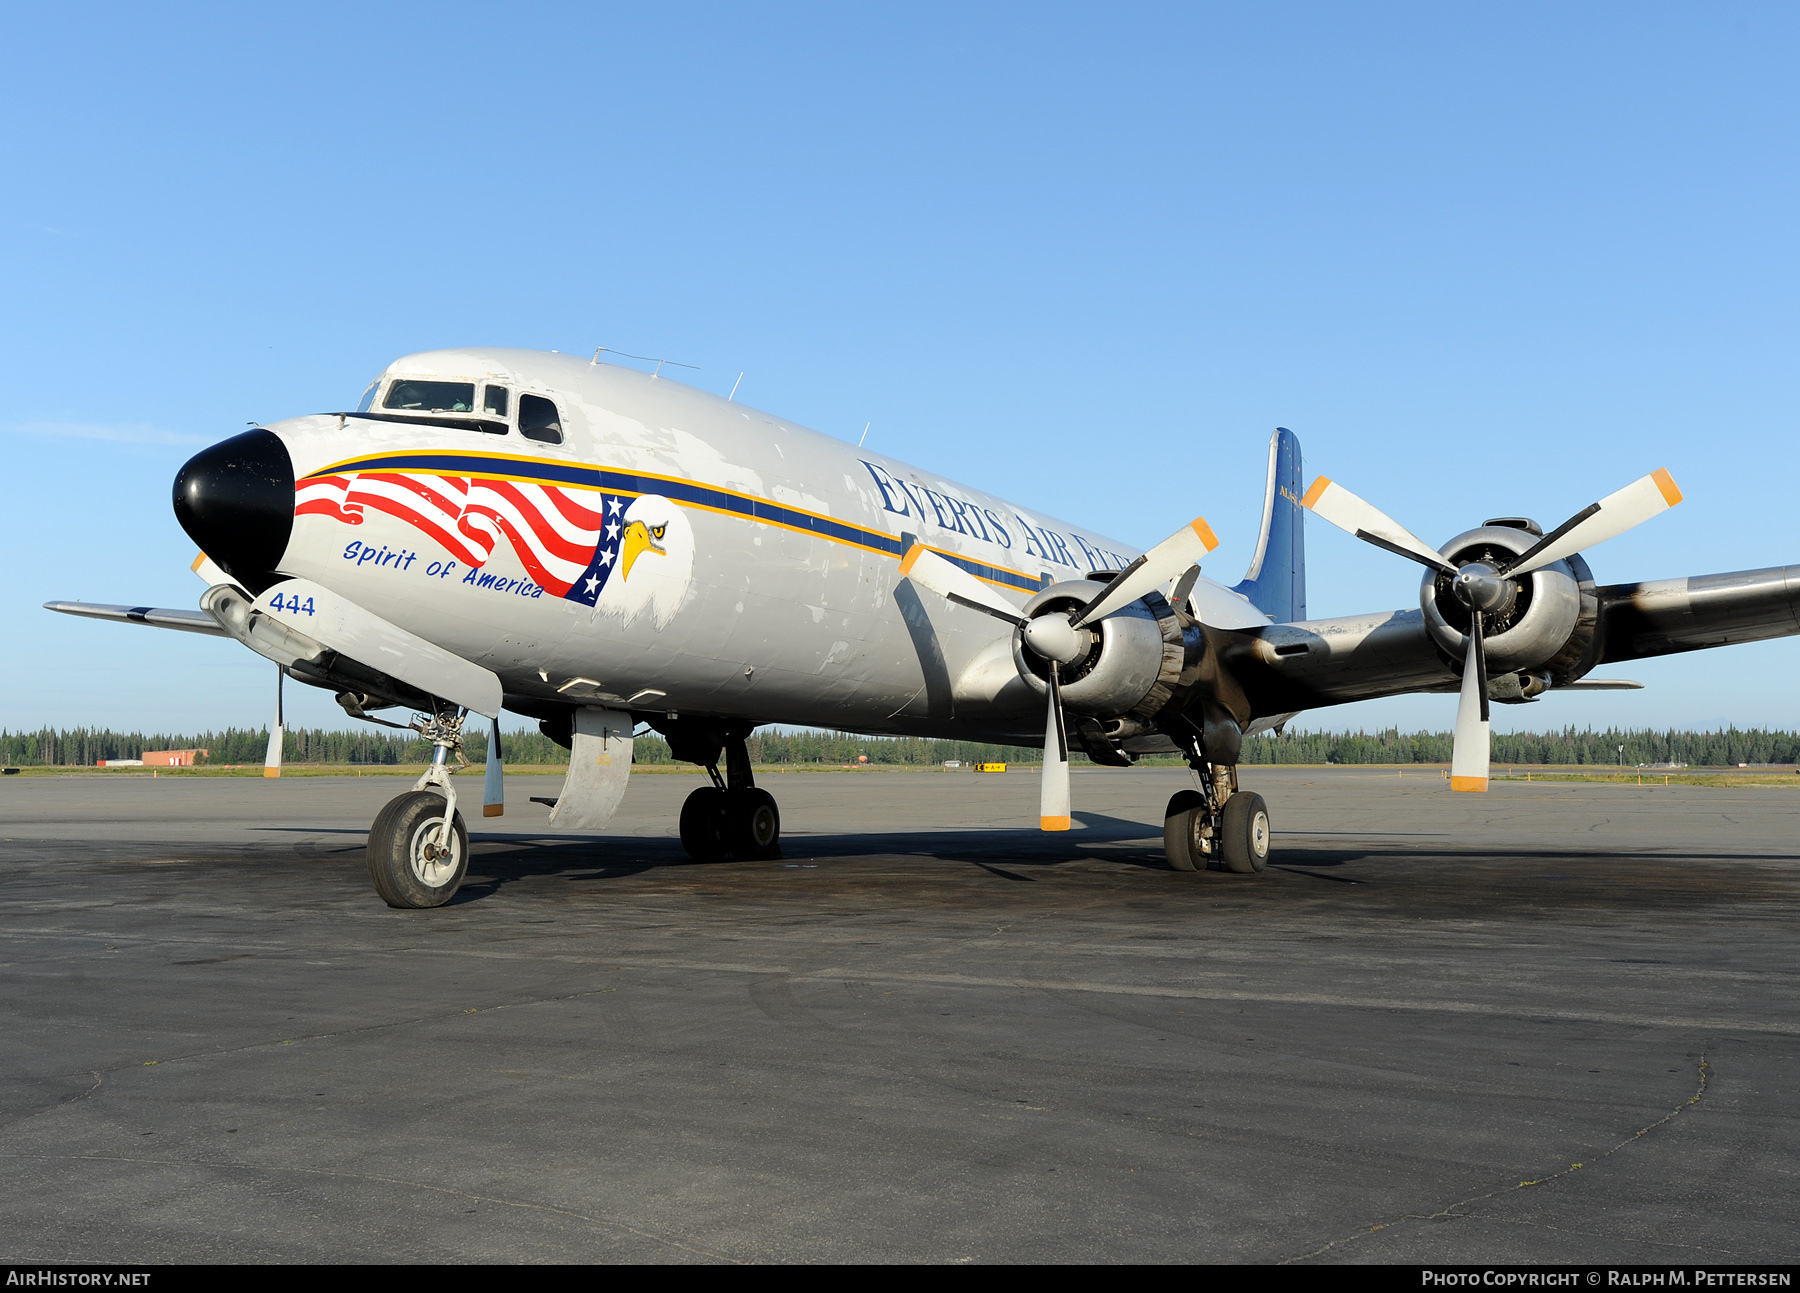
(540, 472)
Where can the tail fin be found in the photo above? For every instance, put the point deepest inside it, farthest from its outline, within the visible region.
(1276, 580)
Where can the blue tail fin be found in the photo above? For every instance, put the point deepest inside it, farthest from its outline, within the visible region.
(1276, 581)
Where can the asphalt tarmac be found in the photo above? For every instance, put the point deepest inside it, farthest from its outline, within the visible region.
(1553, 1023)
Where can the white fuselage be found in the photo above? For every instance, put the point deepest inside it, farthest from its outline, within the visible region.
(740, 565)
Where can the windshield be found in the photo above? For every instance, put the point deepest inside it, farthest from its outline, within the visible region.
(431, 397)
(368, 399)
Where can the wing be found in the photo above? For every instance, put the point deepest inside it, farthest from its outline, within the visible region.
(155, 617)
(1664, 616)
(1286, 667)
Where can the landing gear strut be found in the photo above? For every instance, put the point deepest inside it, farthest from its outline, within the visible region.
(418, 846)
(731, 816)
(1217, 827)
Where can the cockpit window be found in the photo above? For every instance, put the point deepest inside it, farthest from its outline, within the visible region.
(431, 397)
(368, 399)
(538, 420)
(493, 400)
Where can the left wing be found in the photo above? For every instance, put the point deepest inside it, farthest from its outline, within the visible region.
(154, 616)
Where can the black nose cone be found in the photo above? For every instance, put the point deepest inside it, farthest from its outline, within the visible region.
(236, 500)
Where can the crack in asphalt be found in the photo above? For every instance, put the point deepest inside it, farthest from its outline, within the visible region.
(1451, 1213)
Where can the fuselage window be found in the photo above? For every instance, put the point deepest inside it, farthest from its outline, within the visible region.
(431, 397)
(368, 399)
(538, 420)
(493, 400)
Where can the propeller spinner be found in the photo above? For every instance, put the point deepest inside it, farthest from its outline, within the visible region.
(1483, 588)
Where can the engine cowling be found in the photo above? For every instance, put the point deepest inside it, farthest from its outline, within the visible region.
(1132, 659)
(1547, 621)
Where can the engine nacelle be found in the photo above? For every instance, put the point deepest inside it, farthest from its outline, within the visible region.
(1132, 660)
(1546, 618)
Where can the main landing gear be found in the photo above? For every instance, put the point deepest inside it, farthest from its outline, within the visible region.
(1217, 827)
(731, 816)
(418, 846)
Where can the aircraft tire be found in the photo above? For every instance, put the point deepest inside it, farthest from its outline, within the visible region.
(752, 825)
(1181, 831)
(404, 875)
(703, 824)
(1244, 833)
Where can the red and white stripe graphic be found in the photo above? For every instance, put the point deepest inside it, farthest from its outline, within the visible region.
(551, 528)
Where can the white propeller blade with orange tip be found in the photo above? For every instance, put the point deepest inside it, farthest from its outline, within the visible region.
(948, 580)
(1618, 512)
(1053, 792)
(1469, 753)
(1334, 503)
(1155, 568)
(493, 787)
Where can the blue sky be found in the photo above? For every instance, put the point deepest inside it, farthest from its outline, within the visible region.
(1484, 260)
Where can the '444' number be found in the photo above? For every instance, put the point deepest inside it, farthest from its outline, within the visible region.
(292, 605)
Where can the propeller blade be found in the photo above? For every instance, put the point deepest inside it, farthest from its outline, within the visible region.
(1155, 568)
(1644, 498)
(1053, 793)
(1184, 587)
(1334, 503)
(925, 568)
(272, 760)
(1469, 754)
(493, 797)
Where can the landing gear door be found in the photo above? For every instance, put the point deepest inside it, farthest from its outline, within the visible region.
(599, 763)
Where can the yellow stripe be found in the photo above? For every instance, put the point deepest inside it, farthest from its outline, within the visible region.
(1053, 823)
(349, 464)
(493, 810)
(1319, 486)
(912, 555)
(271, 772)
(1468, 783)
(1666, 483)
(1201, 528)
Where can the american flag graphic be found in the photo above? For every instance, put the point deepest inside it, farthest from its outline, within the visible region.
(567, 539)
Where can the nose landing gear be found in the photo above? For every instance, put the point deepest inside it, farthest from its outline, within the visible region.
(418, 846)
(732, 816)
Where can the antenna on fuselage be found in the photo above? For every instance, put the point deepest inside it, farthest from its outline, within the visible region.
(739, 382)
(608, 350)
(865, 434)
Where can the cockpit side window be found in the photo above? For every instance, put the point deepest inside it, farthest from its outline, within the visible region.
(538, 420)
(368, 399)
(493, 400)
(431, 397)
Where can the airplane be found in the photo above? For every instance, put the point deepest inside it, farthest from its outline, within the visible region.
(609, 551)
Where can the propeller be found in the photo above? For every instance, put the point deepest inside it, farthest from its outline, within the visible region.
(1056, 638)
(272, 760)
(493, 798)
(1481, 587)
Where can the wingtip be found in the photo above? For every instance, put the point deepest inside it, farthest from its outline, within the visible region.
(1319, 486)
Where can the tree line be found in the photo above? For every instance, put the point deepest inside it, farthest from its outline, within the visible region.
(85, 746)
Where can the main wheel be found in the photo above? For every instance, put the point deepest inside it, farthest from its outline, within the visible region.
(752, 825)
(1244, 833)
(1181, 831)
(703, 824)
(406, 863)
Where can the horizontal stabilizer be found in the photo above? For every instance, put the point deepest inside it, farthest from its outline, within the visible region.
(154, 616)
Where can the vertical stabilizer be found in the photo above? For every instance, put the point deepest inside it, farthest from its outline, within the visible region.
(1276, 580)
